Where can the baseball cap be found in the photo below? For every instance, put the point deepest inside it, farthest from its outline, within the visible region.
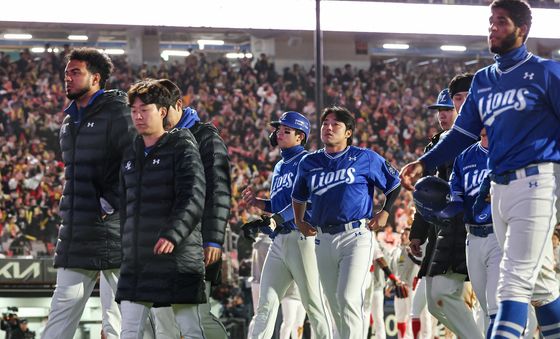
(443, 100)
(294, 120)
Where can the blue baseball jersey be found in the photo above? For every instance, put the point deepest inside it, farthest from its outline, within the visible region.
(282, 183)
(341, 186)
(517, 99)
(469, 169)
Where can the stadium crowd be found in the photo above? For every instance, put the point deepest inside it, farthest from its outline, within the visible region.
(241, 98)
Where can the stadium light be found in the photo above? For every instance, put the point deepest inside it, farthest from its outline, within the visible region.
(453, 48)
(336, 16)
(165, 54)
(17, 36)
(37, 50)
(396, 46)
(78, 37)
(210, 42)
(239, 55)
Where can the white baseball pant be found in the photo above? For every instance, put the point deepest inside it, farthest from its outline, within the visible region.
(166, 327)
(135, 314)
(293, 314)
(73, 289)
(291, 257)
(344, 260)
(445, 301)
(483, 263)
(524, 218)
(420, 311)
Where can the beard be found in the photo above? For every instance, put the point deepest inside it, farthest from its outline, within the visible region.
(506, 45)
(78, 94)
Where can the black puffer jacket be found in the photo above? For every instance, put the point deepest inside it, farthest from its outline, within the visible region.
(164, 193)
(446, 245)
(213, 152)
(92, 151)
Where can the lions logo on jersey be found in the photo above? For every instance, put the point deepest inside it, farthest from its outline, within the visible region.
(497, 103)
(321, 183)
(281, 182)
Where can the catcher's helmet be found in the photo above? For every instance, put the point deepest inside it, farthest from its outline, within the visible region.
(431, 195)
(294, 120)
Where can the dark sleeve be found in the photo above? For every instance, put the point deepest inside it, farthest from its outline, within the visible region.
(189, 182)
(390, 198)
(213, 152)
(420, 228)
(122, 134)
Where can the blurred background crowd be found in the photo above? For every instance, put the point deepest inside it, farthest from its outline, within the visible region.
(240, 98)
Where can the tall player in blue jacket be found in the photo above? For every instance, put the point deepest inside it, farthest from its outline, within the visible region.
(340, 180)
(291, 256)
(516, 100)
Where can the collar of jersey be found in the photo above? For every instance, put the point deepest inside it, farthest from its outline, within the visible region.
(485, 150)
(511, 60)
(336, 156)
(291, 153)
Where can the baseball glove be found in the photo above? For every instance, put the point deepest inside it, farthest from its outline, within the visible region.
(401, 291)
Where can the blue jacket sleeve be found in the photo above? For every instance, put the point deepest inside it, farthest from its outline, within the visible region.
(448, 148)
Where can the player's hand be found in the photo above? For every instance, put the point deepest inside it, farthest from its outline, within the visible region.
(306, 229)
(249, 196)
(212, 255)
(410, 173)
(415, 248)
(483, 197)
(163, 246)
(379, 221)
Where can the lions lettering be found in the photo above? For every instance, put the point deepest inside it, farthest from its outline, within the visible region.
(320, 183)
(472, 181)
(495, 104)
(285, 181)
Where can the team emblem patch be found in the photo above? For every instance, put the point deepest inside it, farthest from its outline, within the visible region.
(128, 165)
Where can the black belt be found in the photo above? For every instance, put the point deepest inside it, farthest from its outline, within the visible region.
(481, 230)
(334, 229)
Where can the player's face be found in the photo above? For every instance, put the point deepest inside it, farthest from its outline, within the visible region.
(459, 99)
(288, 137)
(147, 119)
(446, 118)
(334, 132)
(78, 80)
(503, 34)
(484, 138)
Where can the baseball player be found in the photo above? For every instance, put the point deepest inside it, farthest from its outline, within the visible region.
(374, 296)
(516, 100)
(407, 266)
(444, 264)
(291, 255)
(340, 180)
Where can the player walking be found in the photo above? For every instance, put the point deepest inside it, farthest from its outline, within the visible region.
(516, 100)
(340, 180)
(291, 256)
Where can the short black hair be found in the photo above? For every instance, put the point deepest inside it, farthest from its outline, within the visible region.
(460, 83)
(343, 115)
(96, 62)
(519, 12)
(150, 92)
(173, 89)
